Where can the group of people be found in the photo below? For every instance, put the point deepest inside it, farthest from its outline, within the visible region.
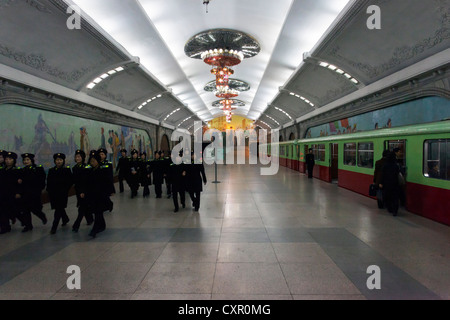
(389, 180)
(21, 190)
(137, 171)
(93, 181)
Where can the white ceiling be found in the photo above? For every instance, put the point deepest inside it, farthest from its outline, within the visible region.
(156, 31)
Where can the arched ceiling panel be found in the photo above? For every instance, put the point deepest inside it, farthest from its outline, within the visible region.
(410, 32)
(34, 39)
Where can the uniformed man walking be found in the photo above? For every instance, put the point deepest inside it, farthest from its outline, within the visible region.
(196, 177)
(122, 168)
(177, 177)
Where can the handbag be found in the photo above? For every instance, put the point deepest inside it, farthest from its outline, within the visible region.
(373, 190)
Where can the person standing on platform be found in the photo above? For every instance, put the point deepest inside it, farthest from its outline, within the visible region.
(111, 190)
(10, 192)
(310, 163)
(166, 162)
(96, 192)
(145, 174)
(177, 177)
(79, 173)
(133, 173)
(195, 177)
(122, 168)
(59, 182)
(158, 174)
(389, 183)
(377, 176)
(33, 182)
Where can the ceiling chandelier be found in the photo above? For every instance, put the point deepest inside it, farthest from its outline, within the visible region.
(223, 49)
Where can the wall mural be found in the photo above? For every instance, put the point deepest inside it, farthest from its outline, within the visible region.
(45, 133)
(429, 109)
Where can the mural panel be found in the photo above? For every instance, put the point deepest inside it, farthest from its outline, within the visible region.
(430, 109)
(45, 133)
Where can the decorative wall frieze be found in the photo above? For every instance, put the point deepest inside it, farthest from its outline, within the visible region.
(32, 3)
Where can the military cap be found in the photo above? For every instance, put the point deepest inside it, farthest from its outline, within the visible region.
(96, 155)
(102, 150)
(124, 150)
(81, 153)
(11, 155)
(134, 151)
(144, 153)
(3, 153)
(59, 155)
(28, 155)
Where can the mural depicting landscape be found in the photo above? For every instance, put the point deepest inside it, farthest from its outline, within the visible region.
(430, 109)
(45, 133)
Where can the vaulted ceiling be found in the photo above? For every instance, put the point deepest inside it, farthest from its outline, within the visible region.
(315, 54)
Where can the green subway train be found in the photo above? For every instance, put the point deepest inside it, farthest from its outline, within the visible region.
(349, 160)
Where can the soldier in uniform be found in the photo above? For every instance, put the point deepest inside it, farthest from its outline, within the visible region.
(177, 177)
(166, 162)
(108, 165)
(96, 192)
(79, 173)
(145, 174)
(195, 176)
(2, 167)
(10, 191)
(133, 174)
(33, 182)
(122, 168)
(158, 174)
(59, 182)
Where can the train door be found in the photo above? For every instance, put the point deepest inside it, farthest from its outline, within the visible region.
(400, 147)
(334, 162)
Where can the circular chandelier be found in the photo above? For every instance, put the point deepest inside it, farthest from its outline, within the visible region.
(223, 49)
(235, 84)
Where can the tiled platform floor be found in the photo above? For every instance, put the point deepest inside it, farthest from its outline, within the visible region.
(276, 237)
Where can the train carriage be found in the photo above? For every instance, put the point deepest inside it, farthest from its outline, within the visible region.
(349, 160)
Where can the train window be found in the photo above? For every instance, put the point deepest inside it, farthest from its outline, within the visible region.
(321, 152)
(350, 154)
(365, 155)
(437, 159)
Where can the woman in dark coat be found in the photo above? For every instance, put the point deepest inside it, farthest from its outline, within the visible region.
(195, 176)
(33, 182)
(97, 191)
(134, 167)
(59, 182)
(79, 172)
(158, 173)
(10, 192)
(145, 174)
(389, 183)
